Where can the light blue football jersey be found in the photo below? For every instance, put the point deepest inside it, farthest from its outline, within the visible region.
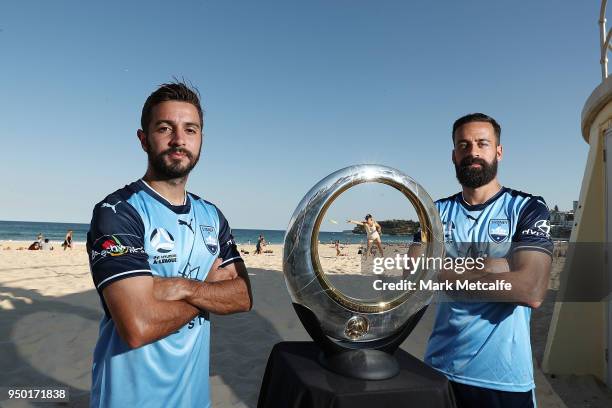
(487, 344)
(136, 232)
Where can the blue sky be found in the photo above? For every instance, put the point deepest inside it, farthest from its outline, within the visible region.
(293, 90)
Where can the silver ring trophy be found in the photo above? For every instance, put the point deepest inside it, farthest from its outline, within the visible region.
(357, 337)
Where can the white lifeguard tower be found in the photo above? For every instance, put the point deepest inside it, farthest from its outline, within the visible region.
(580, 335)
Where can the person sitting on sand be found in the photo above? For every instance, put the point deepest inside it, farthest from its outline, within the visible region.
(373, 229)
(68, 240)
(46, 245)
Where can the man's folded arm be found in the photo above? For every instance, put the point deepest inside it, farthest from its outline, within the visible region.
(223, 296)
(528, 273)
(140, 317)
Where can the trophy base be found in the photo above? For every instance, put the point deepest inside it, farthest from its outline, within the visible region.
(364, 364)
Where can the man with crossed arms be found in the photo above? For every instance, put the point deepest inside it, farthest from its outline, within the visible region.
(161, 259)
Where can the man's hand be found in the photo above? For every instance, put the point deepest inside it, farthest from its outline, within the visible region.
(217, 274)
(169, 288)
(223, 296)
(491, 266)
(496, 265)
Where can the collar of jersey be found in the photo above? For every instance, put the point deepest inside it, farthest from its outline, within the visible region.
(178, 209)
(479, 207)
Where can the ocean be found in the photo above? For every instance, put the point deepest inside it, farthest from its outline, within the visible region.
(56, 231)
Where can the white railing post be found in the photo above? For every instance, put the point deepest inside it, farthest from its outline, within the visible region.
(604, 40)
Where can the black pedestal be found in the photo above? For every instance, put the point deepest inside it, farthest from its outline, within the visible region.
(295, 378)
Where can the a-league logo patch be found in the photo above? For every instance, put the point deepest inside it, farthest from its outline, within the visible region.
(499, 230)
(209, 235)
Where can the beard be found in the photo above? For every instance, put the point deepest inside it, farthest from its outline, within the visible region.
(475, 177)
(172, 169)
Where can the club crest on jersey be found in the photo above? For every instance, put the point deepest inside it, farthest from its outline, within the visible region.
(499, 229)
(209, 235)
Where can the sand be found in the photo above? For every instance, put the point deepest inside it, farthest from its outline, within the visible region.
(49, 315)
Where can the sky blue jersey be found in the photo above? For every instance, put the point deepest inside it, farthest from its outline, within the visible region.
(487, 344)
(136, 232)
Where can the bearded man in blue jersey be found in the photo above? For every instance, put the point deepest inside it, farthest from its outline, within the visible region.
(480, 339)
(161, 259)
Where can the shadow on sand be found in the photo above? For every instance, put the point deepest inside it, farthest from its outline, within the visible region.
(49, 341)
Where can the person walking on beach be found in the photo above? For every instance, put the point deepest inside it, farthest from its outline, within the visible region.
(67, 240)
(261, 242)
(162, 259)
(373, 231)
(483, 346)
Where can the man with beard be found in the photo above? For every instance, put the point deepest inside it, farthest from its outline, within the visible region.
(480, 339)
(161, 259)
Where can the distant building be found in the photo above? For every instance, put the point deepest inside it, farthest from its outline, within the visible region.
(562, 222)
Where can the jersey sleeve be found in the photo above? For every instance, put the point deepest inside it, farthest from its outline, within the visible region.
(115, 244)
(227, 246)
(533, 228)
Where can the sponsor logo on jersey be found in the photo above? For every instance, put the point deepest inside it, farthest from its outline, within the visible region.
(541, 228)
(499, 229)
(110, 245)
(161, 240)
(448, 228)
(162, 259)
(111, 206)
(209, 235)
(187, 224)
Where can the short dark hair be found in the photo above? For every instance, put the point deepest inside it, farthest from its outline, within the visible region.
(368, 216)
(173, 91)
(477, 117)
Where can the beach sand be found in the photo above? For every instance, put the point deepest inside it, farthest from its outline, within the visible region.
(49, 315)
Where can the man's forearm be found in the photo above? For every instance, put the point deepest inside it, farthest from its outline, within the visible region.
(222, 297)
(164, 318)
(148, 320)
(522, 290)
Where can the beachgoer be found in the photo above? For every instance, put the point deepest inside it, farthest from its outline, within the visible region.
(46, 245)
(261, 242)
(373, 231)
(67, 240)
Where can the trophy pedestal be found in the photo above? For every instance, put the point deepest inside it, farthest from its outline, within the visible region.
(364, 361)
(295, 378)
(363, 364)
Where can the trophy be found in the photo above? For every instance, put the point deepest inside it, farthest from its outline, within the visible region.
(357, 336)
